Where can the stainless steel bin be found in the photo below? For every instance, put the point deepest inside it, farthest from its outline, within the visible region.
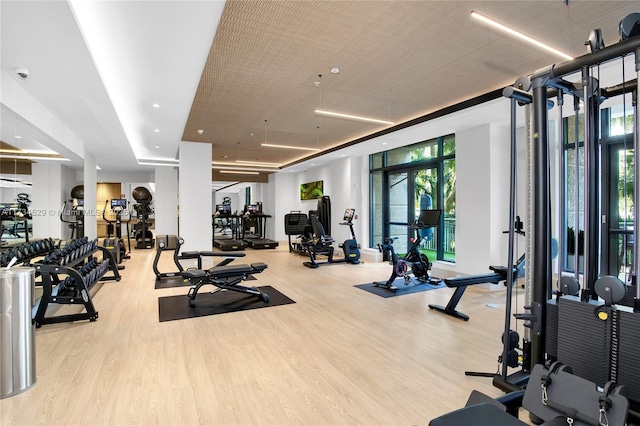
(17, 332)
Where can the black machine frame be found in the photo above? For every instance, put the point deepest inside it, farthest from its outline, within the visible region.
(547, 315)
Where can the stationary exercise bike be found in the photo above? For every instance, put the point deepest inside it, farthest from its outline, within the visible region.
(414, 262)
(321, 243)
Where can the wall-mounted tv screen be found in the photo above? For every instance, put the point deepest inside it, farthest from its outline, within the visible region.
(311, 190)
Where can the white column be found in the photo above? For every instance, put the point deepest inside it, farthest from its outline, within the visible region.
(473, 200)
(166, 201)
(482, 198)
(90, 196)
(194, 187)
(46, 199)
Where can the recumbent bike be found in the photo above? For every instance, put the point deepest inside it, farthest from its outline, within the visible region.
(322, 244)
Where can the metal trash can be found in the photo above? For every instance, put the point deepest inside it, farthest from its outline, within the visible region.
(17, 332)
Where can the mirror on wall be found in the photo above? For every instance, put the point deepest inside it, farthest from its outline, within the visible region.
(15, 179)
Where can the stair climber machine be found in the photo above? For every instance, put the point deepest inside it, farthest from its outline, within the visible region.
(143, 235)
(114, 227)
(72, 212)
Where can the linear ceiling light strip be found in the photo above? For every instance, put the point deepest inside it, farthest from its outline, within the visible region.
(352, 117)
(270, 145)
(519, 35)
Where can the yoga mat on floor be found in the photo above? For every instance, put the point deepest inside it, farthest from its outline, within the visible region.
(177, 307)
(414, 287)
(178, 281)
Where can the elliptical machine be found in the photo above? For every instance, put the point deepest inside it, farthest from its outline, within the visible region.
(414, 262)
(144, 237)
(116, 245)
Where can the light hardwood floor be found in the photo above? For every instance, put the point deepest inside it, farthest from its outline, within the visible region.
(338, 356)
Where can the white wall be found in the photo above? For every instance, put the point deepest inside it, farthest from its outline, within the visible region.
(47, 199)
(166, 201)
(286, 186)
(194, 187)
(473, 191)
(90, 196)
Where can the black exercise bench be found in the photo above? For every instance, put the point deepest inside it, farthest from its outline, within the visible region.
(225, 278)
(500, 273)
(173, 243)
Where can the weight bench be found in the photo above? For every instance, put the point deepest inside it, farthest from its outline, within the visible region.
(198, 255)
(225, 278)
(461, 283)
(173, 243)
(554, 396)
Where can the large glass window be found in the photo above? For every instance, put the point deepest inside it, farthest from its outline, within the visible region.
(410, 178)
(413, 153)
(618, 191)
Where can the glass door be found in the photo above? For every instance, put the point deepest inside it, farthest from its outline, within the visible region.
(619, 244)
(425, 197)
(398, 210)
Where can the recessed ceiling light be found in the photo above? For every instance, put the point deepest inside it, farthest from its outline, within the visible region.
(156, 130)
(335, 70)
(156, 105)
(157, 146)
(18, 137)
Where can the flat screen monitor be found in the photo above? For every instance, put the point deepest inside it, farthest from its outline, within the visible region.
(429, 217)
(79, 202)
(223, 209)
(119, 203)
(349, 214)
(253, 208)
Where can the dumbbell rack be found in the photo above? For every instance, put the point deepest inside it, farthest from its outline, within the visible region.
(82, 270)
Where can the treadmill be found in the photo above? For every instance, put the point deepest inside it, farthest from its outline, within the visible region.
(254, 226)
(225, 242)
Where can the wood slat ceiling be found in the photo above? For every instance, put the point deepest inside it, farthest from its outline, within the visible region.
(398, 60)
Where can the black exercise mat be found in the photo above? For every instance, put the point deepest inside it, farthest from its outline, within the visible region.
(169, 282)
(414, 286)
(178, 281)
(177, 307)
